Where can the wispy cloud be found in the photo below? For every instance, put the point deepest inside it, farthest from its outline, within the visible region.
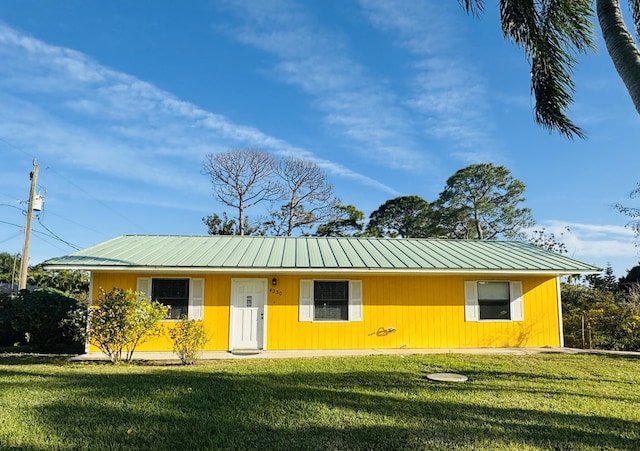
(66, 108)
(448, 96)
(317, 61)
(593, 241)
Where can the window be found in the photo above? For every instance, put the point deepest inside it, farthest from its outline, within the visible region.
(184, 296)
(330, 300)
(173, 293)
(493, 301)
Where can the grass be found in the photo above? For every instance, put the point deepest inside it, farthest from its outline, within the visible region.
(538, 401)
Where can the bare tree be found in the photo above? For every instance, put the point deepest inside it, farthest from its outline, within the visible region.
(309, 197)
(241, 178)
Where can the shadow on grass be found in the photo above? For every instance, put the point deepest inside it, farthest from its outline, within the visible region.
(29, 358)
(317, 405)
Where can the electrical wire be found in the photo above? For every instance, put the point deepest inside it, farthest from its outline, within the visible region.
(12, 206)
(49, 168)
(138, 226)
(78, 224)
(49, 235)
(11, 237)
(56, 236)
(49, 242)
(15, 147)
(11, 223)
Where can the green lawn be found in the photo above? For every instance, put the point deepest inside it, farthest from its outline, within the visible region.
(540, 401)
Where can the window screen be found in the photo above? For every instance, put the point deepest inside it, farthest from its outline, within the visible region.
(494, 300)
(173, 293)
(331, 300)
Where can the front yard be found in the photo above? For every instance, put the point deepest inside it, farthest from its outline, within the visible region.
(539, 401)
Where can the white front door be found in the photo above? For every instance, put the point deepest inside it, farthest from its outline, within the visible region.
(248, 311)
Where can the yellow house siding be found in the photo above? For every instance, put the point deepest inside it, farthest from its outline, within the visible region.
(216, 307)
(424, 311)
(399, 311)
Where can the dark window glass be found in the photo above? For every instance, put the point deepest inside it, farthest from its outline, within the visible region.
(173, 293)
(331, 300)
(494, 300)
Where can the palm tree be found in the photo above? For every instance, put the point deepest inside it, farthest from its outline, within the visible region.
(620, 44)
(551, 33)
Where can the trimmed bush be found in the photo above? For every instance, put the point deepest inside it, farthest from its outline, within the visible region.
(38, 319)
(188, 337)
(9, 331)
(120, 319)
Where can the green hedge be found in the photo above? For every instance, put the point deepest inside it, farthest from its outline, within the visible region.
(38, 319)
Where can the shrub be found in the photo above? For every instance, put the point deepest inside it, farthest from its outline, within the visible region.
(188, 337)
(601, 319)
(38, 319)
(120, 319)
(9, 332)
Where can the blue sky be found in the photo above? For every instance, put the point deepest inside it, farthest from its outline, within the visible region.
(120, 101)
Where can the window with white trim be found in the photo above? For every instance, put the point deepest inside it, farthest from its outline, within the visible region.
(492, 300)
(183, 296)
(174, 293)
(330, 300)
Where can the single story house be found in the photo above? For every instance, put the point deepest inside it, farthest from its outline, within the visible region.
(305, 293)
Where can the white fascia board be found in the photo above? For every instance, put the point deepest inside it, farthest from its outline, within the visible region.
(355, 271)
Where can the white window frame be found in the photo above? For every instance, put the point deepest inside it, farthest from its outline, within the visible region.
(472, 307)
(306, 306)
(196, 294)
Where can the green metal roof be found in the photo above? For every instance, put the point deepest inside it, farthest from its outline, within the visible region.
(281, 254)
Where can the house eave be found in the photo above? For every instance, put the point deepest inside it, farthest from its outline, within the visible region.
(325, 271)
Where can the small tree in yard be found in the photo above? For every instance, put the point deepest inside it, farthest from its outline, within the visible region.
(120, 320)
(188, 337)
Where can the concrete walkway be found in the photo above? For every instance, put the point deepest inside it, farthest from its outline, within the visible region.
(224, 355)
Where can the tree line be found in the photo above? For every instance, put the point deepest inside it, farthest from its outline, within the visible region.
(481, 201)
(603, 312)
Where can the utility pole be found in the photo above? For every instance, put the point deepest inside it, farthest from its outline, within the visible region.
(27, 228)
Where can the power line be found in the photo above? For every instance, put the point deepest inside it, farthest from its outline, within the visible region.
(11, 223)
(49, 168)
(48, 242)
(57, 237)
(12, 206)
(39, 218)
(15, 147)
(11, 237)
(49, 235)
(77, 223)
(96, 199)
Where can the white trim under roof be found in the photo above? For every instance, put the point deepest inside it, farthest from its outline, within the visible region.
(377, 271)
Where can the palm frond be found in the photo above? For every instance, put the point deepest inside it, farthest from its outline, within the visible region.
(474, 7)
(550, 32)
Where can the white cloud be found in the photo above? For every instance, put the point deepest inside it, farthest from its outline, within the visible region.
(67, 108)
(600, 243)
(447, 94)
(316, 60)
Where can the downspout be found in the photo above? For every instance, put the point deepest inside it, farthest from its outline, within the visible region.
(560, 326)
